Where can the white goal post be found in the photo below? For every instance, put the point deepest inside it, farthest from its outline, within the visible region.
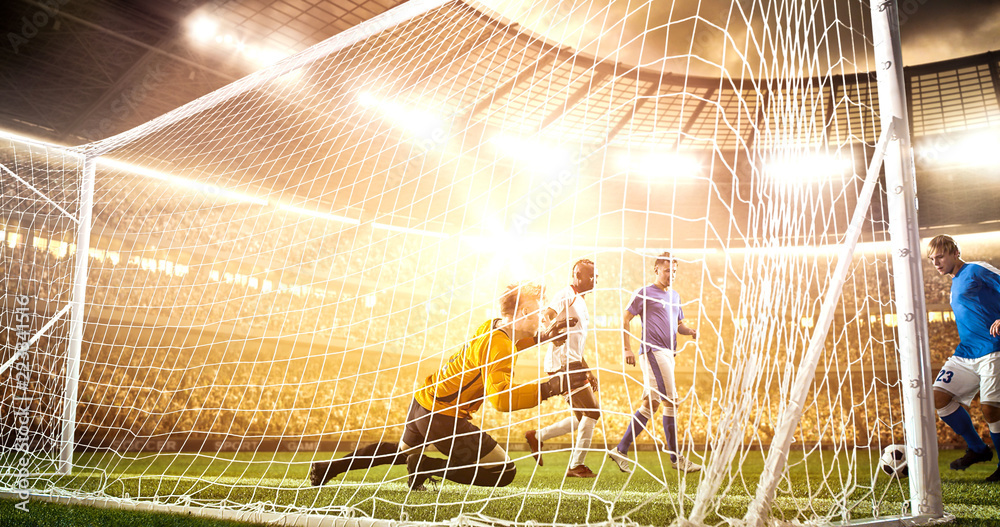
(261, 279)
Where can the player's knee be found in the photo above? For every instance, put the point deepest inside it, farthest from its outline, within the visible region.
(991, 412)
(495, 458)
(507, 475)
(943, 401)
(492, 476)
(949, 408)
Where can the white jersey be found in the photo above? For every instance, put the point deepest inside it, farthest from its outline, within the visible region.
(566, 300)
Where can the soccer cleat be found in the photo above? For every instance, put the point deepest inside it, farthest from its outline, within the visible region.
(416, 479)
(621, 460)
(684, 465)
(580, 471)
(535, 445)
(970, 458)
(994, 477)
(319, 473)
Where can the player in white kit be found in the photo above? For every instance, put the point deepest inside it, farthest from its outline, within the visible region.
(566, 362)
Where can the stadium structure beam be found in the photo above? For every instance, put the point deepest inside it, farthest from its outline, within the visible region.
(576, 97)
(135, 42)
(993, 57)
(545, 57)
(695, 114)
(830, 119)
(260, 78)
(638, 103)
(114, 89)
(425, 73)
(908, 79)
(10, 89)
(762, 108)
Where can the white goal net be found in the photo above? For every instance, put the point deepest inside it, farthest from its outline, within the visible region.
(274, 269)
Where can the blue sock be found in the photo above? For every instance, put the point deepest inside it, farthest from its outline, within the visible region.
(996, 443)
(635, 428)
(961, 423)
(670, 433)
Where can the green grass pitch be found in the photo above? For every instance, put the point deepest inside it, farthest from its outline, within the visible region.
(652, 496)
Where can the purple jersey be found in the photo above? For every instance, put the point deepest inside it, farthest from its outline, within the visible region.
(660, 312)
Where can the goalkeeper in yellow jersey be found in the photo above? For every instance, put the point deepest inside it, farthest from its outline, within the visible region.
(439, 415)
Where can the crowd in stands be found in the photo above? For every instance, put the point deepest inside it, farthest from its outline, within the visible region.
(245, 272)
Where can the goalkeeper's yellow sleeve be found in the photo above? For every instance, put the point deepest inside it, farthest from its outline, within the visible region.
(499, 390)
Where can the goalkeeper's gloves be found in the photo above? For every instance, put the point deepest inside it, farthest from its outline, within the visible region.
(553, 386)
(556, 332)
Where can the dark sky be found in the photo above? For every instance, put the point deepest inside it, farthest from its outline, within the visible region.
(660, 33)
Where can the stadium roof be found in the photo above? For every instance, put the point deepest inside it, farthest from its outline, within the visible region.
(97, 68)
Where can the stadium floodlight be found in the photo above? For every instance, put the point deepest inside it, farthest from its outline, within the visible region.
(977, 149)
(267, 56)
(204, 28)
(417, 123)
(540, 156)
(296, 334)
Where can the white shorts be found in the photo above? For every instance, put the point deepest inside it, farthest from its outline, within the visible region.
(962, 378)
(658, 375)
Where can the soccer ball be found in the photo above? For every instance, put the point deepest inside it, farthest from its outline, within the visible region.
(893, 461)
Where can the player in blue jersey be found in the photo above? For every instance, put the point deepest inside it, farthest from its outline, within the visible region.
(975, 366)
(659, 307)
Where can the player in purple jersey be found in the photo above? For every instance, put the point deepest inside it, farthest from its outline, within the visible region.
(975, 366)
(659, 307)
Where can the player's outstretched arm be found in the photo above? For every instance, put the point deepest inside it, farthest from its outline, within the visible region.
(627, 354)
(554, 332)
(499, 385)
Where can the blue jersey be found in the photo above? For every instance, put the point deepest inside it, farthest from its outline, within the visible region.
(975, 300)
(660, 312)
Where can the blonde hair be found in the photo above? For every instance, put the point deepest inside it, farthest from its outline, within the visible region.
(517, 294)
(944, 243)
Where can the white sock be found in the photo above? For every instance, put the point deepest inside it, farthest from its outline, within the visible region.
(556, 429)
(583, 439)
